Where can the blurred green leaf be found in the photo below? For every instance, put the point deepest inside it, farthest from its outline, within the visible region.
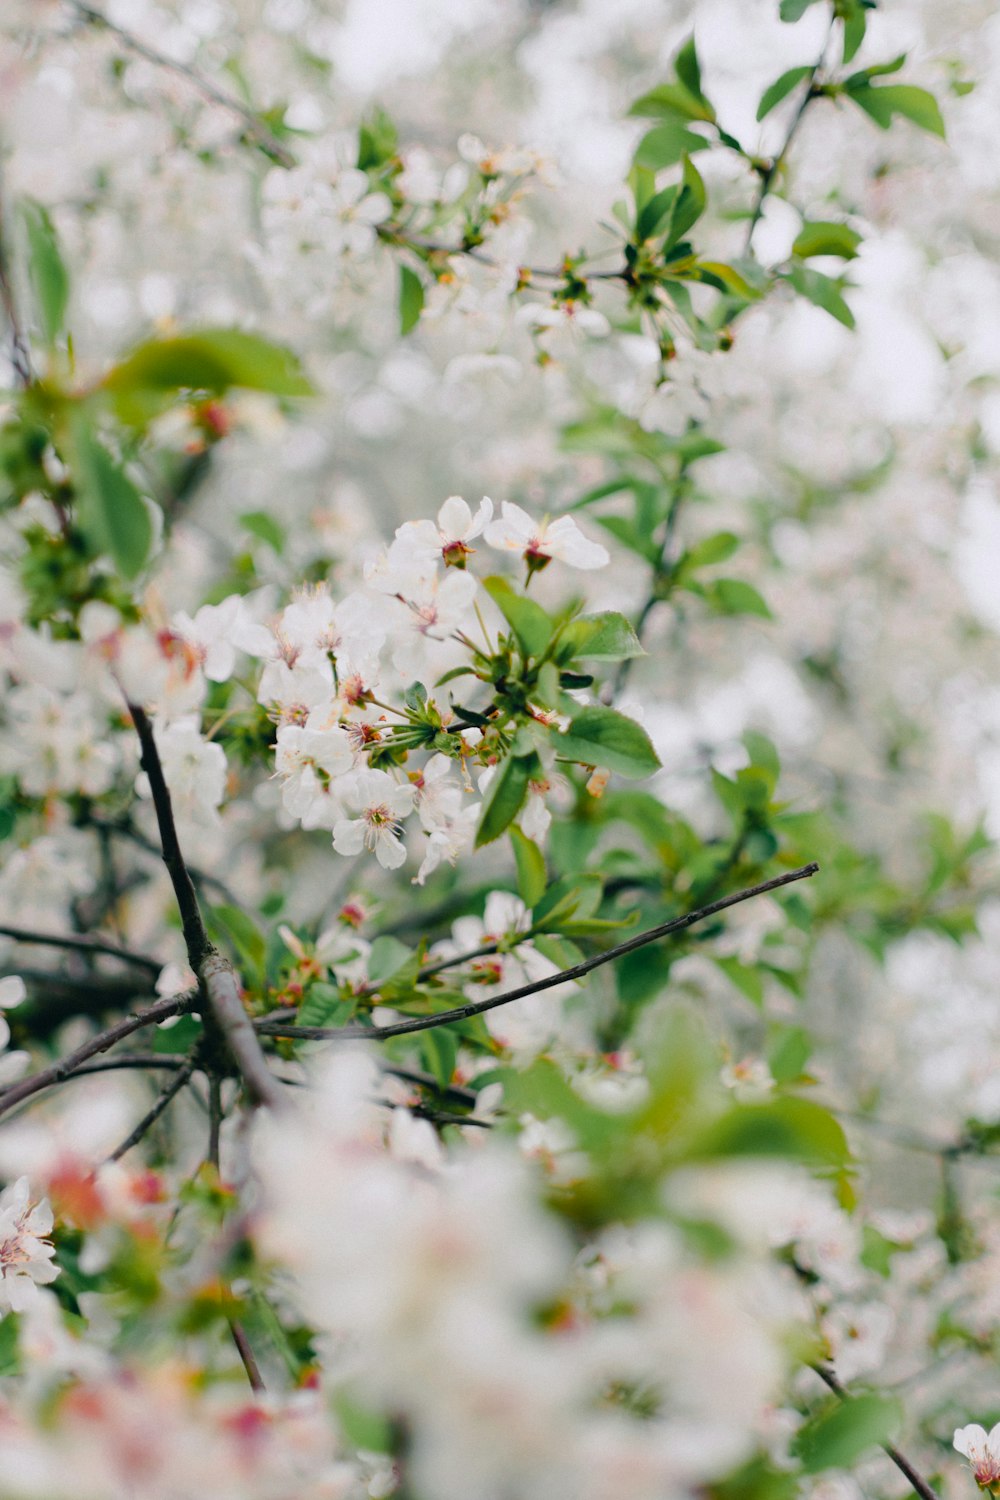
(781, 88)
(846, 1429)
(112, 511)
(46, 268)
(411, 299)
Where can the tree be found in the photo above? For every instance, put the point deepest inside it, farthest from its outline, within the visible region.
(313, 840)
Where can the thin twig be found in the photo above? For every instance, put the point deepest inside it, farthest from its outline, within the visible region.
(215, 973)
(214, 1118)
(151, 1061)
(917, 1482)
(174, 1005)
(429, 970)
(247, 1355)
(82, 944)
(169, 1092)
(577, 971)
(256, 128)
(777, 161)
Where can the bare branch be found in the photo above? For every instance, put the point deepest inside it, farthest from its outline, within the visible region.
(195, 936)
(216, 973)
(169, 1092)
(577, 971)
(175, 1005)
(81, 943)
(771, 171)
(139, 1061)
(917, 1482)
(255, 126)
(429, 970)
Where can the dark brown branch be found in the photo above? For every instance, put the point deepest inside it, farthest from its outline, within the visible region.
(195, 936)
(916, 1480)
(140, 1061)
(81, 943)
(429, 970)
(216, 974)
(175, 1005)
(247, 1356)
(256, 128)
(577, 971)
(223, 991)
(169, 1092)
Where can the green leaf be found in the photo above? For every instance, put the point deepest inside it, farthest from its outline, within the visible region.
(363, 1427)
(261, 524)
(689, 207)
(822, 291)
(599, 736)
(411, 299)
(781, 88)
(855, 26)
(439, 1049)
(388, 955)
(672, 101)
(112, 511)
(10, 1354)
(242, 933)
(46, 268)
(505, 797)
(528, 620)
(211, 359)
(822, 238)
(665, 145)
(762, 752)
(749, 981)
(788, 1126)
(531, 876)
(718, 547)
(688, 69)
(845, 1430)
(182, 1036)
(794, 10)
(789, 1054)
(731, 596)
(604, 637)
(914, 104)
(323, 1006)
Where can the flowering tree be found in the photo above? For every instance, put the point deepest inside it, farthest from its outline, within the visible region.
(324, 790)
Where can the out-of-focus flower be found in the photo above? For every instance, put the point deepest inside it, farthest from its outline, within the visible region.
(25, 1251)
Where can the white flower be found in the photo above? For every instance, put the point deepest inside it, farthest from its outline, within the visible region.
(982, 1449)
(194, 768)
(540, 541)
(25, 1252)
(420, 545)
(565, 315)
(12, 1064)
(379, 804)
(212, 634)
(358, 210)
(309, 759)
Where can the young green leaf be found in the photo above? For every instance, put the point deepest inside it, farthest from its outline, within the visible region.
(411, 299)
(211, 360)
(599, 736)
(531, 876)
(528, 620)
(112, 511)
(818, 237)
(731, 596)
(604, 637)
(505, 797)
(844, 1430)
(781, 88)
(883, 103)
(664, 145)
(49, 277)
(822, 291)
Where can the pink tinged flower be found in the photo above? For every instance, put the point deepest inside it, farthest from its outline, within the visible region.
(213, 633)
(540, 541)
(25, 1251)
(379, 805)
(308, 760)
(982, 1449)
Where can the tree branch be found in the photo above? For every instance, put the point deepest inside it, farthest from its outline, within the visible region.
(777, 161)
(215, 973)
(256, 128)
(577, 971)
(175, 1005)
(82, 944)
(169, 1092)
(917, 1482)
